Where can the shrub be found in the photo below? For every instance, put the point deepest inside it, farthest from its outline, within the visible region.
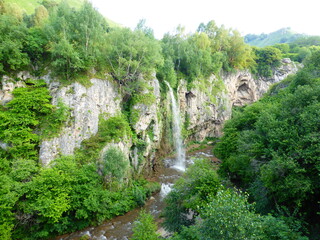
(144, 228)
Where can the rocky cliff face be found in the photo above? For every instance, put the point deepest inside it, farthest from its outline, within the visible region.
(204, 106)
(244, 88)
(148, 127)
(203, 111)
(86, 104)
(206, 114)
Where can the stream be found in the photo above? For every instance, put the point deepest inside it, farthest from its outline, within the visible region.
(120, 228)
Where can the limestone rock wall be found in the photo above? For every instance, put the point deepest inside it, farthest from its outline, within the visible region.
(203, 108)
(244, 88)
(203, 113)
(148, 128)
(86, 105)
(206, 114)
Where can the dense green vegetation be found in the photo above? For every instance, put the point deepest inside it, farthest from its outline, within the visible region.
(144, 228)
(209, 50)
(200, 207)
(271, 148)
(25, 115)
(37, 202)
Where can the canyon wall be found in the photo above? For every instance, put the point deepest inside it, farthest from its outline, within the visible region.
(208, 104)
(204, 106)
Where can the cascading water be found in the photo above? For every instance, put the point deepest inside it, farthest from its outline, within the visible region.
(180, 150)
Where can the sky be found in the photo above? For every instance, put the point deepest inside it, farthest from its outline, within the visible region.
(246, 16)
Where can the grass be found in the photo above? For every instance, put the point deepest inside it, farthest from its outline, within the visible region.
(30, 5)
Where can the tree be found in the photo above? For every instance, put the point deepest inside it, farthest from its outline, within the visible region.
(229, 216)
(12, 37)
(189, 194)
(131, 54)
(267, 59)
(141, 26)
(67, 61)
(239, 53)
(144, 228)
(89, 30)
(114, 166)
(41, 14)
(12, 9)
(36, 48)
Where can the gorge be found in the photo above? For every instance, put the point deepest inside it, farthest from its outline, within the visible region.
(95, 119)
(205, 115)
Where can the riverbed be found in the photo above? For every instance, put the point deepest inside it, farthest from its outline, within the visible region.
(120, 228)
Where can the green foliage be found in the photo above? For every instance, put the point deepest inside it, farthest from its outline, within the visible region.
(51, 124)
(144, 228)
(67, 60)
(40, 16)
(25, 114)
(267, 59)
(203, 53)
(35, 47)
(39, 203)
(30, 5)
(131, 54)
(228, 215)
(75, 38)
(273, 146)
(167, 73)
(190, 193)
(114, 128)
(114, 165)
(8, 198)
(147, 99)
(111, 129)
(13, 34)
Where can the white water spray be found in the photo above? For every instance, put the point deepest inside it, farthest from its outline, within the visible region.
(180, 150)
(165, 189)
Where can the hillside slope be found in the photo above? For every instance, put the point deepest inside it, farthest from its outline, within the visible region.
(284, 35)
(30, 5)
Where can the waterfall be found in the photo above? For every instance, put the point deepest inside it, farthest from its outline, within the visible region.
(176, 129)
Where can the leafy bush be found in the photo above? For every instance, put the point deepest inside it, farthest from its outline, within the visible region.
(267, 59)
(131, 54)
(229, 216)
(114, 128)
(114, 165)
(144, 228)
(64, 198)
(13, 33)
(24, 115)
(111, 129)
(190, 193)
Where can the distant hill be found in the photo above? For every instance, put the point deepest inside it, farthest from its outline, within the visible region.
(29, 6)
(284, 35)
